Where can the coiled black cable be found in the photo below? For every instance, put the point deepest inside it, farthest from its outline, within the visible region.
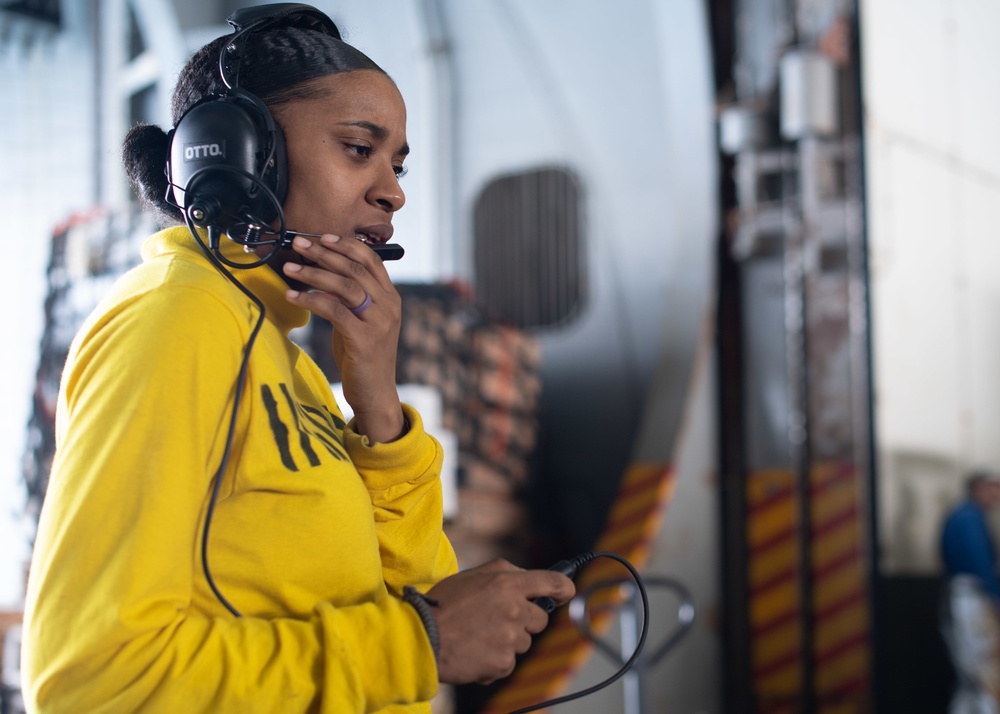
(569, 568)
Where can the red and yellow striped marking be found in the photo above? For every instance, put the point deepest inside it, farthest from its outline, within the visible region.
(556, 657)
(840, 590)
(839, 607)
(773, 567)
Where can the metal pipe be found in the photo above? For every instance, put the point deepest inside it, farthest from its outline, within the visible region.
(441, 51)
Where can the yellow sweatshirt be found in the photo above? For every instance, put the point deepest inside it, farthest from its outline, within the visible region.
(315, 534)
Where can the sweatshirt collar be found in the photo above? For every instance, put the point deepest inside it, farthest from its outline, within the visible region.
(263, 281)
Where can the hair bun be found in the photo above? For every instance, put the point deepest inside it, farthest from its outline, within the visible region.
(144, 157)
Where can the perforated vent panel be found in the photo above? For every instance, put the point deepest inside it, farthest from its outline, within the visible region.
(529, 257)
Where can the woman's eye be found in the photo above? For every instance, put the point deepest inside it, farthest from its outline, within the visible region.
(360, 149)
(399, 170)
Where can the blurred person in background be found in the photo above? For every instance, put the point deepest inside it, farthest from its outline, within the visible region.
(970, 620)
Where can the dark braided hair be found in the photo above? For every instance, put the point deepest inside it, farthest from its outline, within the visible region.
(279, 66)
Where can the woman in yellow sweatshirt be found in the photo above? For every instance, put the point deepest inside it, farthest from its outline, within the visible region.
(215, 538)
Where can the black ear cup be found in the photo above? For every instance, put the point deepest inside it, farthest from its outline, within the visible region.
(224, 152)
(227, 163)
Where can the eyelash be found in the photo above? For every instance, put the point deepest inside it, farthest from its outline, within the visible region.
(365, 152)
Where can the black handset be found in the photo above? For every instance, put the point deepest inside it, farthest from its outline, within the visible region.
(567, 568)
(387, 251)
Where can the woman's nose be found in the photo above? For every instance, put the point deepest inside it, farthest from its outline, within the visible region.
(386, 191)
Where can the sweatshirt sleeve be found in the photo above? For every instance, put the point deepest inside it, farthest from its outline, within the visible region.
(404, 480)
(110, 624)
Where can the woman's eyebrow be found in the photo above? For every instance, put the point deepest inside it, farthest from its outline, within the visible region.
(377, 131)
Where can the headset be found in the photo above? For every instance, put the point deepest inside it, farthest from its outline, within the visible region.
(227, 169)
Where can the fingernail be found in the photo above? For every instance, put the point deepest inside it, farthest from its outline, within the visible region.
(292, 267)
(291, 294)
(329, 239)
(301, 242)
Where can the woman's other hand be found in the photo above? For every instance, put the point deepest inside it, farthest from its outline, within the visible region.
(486, 617)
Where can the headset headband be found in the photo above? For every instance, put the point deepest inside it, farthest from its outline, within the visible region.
(254, 19)
(227, 165)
